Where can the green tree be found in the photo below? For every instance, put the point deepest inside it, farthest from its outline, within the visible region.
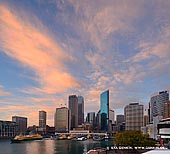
(133, 139)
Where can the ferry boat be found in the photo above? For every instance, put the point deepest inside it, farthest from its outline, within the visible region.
(62, 137)
(20, 138)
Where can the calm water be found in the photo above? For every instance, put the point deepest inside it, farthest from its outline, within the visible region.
(50, 147)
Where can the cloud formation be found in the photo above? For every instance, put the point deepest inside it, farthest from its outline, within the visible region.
(84, 48)
(36, 49)
(4, 92)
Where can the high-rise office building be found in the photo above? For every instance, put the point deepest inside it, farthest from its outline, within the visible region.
(146, 120)
(91, 118)
(62, 119)
(22, 124)
(42, 120)
(112, 116)
(120, 122)
(167, 109)
(120, 118)
(134, 116)
(157, 104)
(111, 120)
(80, 110)
(97, 121)
(104, 111)
(73, 107)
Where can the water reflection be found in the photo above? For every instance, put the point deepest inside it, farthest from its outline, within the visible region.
(51, 147)
(78, 147)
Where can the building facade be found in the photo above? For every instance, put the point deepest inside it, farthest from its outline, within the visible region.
(167, 109)
(97, 119)
(42, 121)
(111, 116)
(120, 122)
(120, 118)
(21, 122)
(163, 128)
(73, 107)
(8, 129)
(61, 120)
(146, 120)
(134, 116)
(157, 104)
(104, 111)
(91, 118)
(80, 110)
(152, 128)
(111, 120)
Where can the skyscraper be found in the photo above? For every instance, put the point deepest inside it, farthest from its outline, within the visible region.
(22, 124)
(104, 111)
(146, 120)
(134, 116)
(111, 120)
(157, 104)
(97, 121)
(42, 120)
(112, 116)
(80, 110)
(167, 109)
(91, 118)
(120, 122)
(120, 118)
(61, 120)
(73, 107)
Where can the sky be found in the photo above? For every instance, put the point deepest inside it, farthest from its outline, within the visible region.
(50, 49)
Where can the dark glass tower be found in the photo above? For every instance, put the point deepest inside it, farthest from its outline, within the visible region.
(91, 118)
(80, 110)
(104, 110)
(73, 107)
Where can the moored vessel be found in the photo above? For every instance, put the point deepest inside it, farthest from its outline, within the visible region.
(98, 138)
(62, 137)
(20, 138)
(97, 151)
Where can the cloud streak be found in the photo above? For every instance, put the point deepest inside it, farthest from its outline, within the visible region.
(4, 92)
(35, 49)
(85, 47)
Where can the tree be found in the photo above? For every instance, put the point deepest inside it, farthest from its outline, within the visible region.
(133, 139)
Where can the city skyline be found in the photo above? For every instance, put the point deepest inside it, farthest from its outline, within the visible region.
(50, 49)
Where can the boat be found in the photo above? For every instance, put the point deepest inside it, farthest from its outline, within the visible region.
(62, 137)
(81, 138)
(70, 137)
(97, 151)
(98, 138)
(20, 138)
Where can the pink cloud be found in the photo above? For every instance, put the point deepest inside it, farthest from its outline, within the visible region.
(36, 49)
(4, 92)
(134, 73)
(158, 47)
(104, 18)
(149, 50)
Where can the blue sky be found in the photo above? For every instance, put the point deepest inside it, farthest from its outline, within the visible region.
(50, 49)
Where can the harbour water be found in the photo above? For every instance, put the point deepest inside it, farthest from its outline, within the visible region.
(51, 146)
